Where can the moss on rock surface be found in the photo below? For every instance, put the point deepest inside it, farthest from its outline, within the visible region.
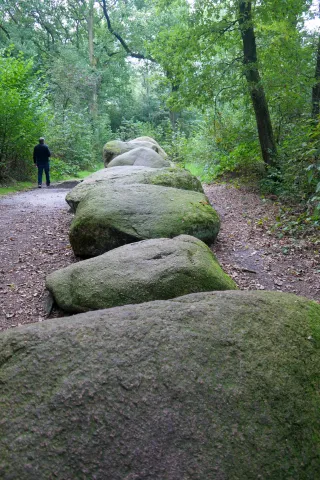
(113, 215)
(151, 140)
(116, 147)
(169, 177)
(221, 385)
(141, 156)
(140, 272)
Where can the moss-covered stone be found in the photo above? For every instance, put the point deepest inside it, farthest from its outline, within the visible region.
(117, 147)
(221, 385)
(174, 177)
(113, 215)
(140, 272)
(141, 156)
(151, 140)
(169, 177)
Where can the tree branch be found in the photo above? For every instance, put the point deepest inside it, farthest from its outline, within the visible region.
(124, 44)
(5, 31)
(219, 29)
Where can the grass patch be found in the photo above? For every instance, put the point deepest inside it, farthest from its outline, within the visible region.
(79, 175)
(86, 173)
(16, 187)
(198, 171)
(13, 187)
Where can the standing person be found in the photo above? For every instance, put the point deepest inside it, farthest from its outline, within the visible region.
(41, 154)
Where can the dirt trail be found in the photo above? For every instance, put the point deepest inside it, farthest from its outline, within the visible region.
(34, 242)
(252, 254)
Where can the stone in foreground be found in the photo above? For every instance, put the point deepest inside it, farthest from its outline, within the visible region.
(140, 157)
(168, 177)
(221, 385)
(113, 215)
(139, 272)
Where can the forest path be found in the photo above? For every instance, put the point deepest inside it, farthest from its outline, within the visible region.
(252, 254)
(34, 241)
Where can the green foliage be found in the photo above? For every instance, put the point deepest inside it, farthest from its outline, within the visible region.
(71, 139)
(203, 55)
(15, 187)
(301, 170)
(130, 129)
(296, 181)
(297, 221)
(23, 111)
(272, 183)
(78, 128)
(60, 169)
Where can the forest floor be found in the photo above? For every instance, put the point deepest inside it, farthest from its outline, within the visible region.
(34, 242)
(254, 253)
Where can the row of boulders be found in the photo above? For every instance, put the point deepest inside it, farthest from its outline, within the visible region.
(211, 385)
(163, 207)
(126, 204)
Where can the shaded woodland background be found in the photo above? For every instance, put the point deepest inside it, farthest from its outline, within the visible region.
(228, 88)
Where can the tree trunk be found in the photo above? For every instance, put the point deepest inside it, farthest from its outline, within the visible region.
(90, 34)
(258, 98)
(173, 119)
(173, 114)
(316, 87)
(90, 23)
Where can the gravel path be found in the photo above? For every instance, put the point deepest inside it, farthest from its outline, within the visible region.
(34, 241)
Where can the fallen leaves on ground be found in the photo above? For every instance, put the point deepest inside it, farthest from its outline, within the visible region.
(251, 252)
(33, 243)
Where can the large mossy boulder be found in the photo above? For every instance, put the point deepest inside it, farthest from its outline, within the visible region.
(140, 157)
(151, 140)
(146, 139)
(169, 177)
(221, 385)
(112, 215)
(139, 272)
(117, 147)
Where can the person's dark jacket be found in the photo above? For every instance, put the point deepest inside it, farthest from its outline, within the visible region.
(41, 154)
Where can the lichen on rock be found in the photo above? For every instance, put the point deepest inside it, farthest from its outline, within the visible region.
(168, 177)
(219, 385)
(156, 269)
(110, 216)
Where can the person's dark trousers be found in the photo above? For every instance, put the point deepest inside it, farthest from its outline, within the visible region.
(45, 167)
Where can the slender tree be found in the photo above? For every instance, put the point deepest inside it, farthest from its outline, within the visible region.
(92, 60)
(316, 86)
(257, 93)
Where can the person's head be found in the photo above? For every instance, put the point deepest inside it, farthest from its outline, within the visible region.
(41, 140)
